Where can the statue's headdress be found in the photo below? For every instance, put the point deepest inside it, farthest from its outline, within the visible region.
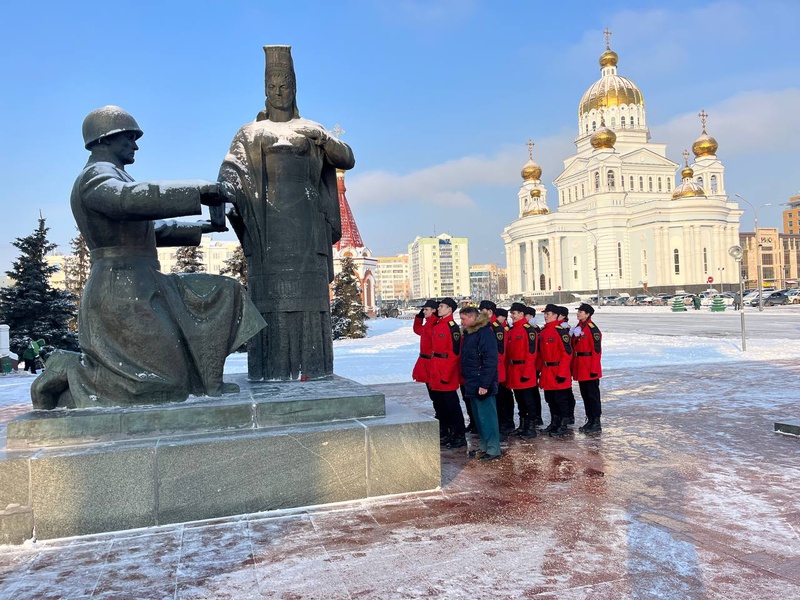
(278, 61)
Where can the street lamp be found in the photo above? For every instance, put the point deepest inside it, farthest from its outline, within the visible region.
(596, 267)
(758, 251)
(721, 285)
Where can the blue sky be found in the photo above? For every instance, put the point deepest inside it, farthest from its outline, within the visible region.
(437, 97)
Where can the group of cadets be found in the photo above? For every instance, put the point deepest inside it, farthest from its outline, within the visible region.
(521, 359)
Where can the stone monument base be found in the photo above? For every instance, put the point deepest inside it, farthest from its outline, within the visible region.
(272, 446)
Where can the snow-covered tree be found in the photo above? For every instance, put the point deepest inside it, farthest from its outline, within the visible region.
(347, 311)
(190, 260)
(31, 307)
(236, 266)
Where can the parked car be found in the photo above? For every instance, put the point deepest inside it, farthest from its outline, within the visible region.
(771, 299)
(727, 298)
(794, 296)
(642, 299)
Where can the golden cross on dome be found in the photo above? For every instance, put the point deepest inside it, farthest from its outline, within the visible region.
(686, 157)
(702, 114)
(607, 32)
(337, 131)
(530, 146)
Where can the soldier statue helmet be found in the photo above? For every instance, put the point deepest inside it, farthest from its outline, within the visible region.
(105, 121)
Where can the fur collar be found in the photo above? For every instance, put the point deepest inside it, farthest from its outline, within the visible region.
(481, 321)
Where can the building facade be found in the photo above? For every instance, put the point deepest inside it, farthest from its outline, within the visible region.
(486, 282)
(439, 267)
(791, 216)
(780, 258)
(392, 278)
(622, 221)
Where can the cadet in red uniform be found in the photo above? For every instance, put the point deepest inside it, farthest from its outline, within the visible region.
(445, 372)
(521, 369)
(554, 358)
(586, 369)
(423, 327)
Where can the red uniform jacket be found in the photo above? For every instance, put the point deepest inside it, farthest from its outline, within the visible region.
(586, 352)
(445, 365)
(521, 356)
(554, 357)
(500, 335)
(424, 329)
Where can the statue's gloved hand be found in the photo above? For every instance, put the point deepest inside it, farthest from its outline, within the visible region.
(317, 136)
(210, 195)
(209, 227)
(228, 191)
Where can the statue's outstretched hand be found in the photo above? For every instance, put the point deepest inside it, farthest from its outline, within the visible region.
(209, 227)
(210, 195)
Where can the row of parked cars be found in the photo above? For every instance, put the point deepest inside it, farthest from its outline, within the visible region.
(769, 298)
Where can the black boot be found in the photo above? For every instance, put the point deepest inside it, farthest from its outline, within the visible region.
(457, 442)
(506, 427)
(522, 425)
(554, 423)
(561, 428)
(530, 429)
(593, 426)
(583, 427)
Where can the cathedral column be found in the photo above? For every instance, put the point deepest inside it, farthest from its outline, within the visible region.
(533, 248)
(556, 264)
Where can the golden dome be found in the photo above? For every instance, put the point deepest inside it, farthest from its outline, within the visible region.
(609, 58)
(611, 89)
(687, 172)
(603, 138)
(705, 145)
(688, 189)
(536, 211)
(531, 171)
(536, 193)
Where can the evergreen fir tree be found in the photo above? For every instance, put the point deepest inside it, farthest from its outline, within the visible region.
(236, 266)
(347, 311)
(190, 260)
(76, 267)
(32, 308)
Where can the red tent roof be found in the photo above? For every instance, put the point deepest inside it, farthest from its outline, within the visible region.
(351, 238)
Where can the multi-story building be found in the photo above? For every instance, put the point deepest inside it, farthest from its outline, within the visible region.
(485, 282)
(215, 253)
(392, 278)
(439, 267)
(791, 216)
(622, 221)
(780, 258)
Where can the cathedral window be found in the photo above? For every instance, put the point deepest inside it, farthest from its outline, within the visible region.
(622, 121)
(705, 261)
(594, 125)
(610, 180)
(649, 184)
(677, 258)
(714, 183)
(700, 181)
(619, 258)
(613, 122)
(587, 127)
(583, 191)
(659, 184)
(644, 265)
(641, 184)
(669, 184)
(569, 195)
(597, 181)
(631, 182)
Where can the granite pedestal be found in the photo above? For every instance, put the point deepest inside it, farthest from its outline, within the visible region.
(272, 446)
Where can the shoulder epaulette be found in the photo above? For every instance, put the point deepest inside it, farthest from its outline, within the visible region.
(526, 325)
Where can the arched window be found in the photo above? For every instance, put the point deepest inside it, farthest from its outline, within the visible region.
(669, 184)
(583, 191)
(622, 183)
(610, 179)
(700, 181)
(641, 184)
(542, 281)
(677, 257)
(597, 181)
(587, 127)
(613, 122)
(594, 125)
(659, 184)
(650, 184)
(622, 122)
(714, 184)
(569, 195)
(631, 182)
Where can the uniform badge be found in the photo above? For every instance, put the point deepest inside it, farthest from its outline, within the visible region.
(597, 336)
(532, 336)
(500, 335)
(456, 335)
(565, 337)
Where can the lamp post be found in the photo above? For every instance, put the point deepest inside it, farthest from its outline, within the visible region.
(758, 251)
(721, 285)
(737, 252)
(609, 276)
(596, 266)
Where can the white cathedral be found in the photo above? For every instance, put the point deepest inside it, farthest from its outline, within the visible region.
(622, 220)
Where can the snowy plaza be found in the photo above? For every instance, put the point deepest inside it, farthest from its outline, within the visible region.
(686, 493)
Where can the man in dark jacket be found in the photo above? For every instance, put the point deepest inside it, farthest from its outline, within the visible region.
(479, 357)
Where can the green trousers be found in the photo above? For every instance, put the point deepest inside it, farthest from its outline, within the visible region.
(485, 412)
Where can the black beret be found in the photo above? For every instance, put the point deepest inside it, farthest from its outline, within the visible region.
(552, 308)
(563, 311)
(529, 310)
(518, 306)
(449, 302)
(430, 304)
(587, 308)
(501, 312)
(487, 304)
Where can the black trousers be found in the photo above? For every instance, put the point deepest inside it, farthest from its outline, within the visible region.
(452, 417)
(559, 402)
(590, 392)
(505, 405)
(438, 409)
(529, 403)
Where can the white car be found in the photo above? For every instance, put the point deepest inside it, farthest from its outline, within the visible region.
(709, 300)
